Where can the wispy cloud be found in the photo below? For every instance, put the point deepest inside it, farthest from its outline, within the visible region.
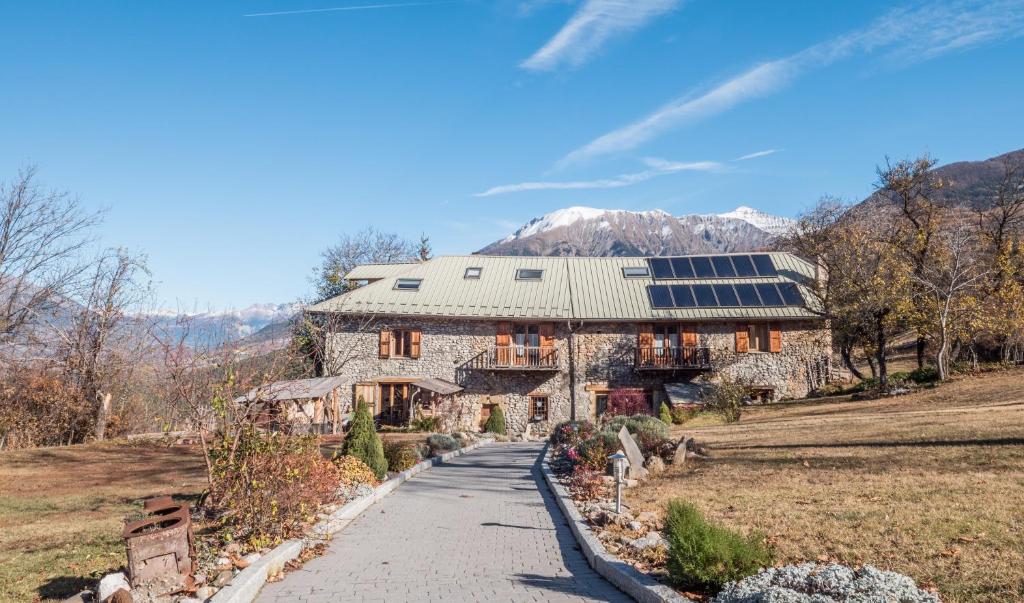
(347, 8)
(757, 154)
(904, 36)
(658, 167)
(593, 24)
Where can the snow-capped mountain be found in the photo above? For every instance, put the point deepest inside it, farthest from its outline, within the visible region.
(214, 327)
(589, 231)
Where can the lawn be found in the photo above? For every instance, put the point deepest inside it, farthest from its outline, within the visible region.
(929, 484)
(62, 509)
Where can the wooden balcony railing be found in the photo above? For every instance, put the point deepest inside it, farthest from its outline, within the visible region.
(516, 358)
(688, 357)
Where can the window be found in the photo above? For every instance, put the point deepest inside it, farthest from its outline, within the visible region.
(538, 408)
(473, 272)
(526, 337)
(666, 337)
(635, 271)
(758, 338)
(601, 403)
(402, 343)
(408, 284)
(529, 274)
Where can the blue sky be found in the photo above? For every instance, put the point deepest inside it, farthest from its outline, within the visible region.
(231, 145)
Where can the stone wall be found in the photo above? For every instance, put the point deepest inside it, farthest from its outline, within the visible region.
(604, 354)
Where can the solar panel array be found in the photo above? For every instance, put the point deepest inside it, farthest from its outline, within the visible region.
(759, 295)
(713, 266)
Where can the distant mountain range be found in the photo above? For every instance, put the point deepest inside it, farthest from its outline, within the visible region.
(258, 322)
(588, 231)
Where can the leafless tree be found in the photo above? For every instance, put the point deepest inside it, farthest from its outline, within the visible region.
(42, 235)
(369, 246)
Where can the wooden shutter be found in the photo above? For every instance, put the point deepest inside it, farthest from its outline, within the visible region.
(646, 336)
(742, 339)
(385, 343)
(688, 336)
(547, 335)
(414, 343)
(774, 338)
(503, 334)
(364, 393)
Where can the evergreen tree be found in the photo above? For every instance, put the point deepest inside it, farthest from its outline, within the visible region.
(364, 443)
(665, 414)
(496, 422)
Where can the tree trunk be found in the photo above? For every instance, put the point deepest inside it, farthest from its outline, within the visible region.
(921, 343)
(101, 415)
(871, 363)
(846, 354)
(883, 369)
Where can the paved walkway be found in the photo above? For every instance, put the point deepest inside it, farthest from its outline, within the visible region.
(483, 527)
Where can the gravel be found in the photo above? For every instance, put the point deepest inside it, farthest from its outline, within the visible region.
(832, 583)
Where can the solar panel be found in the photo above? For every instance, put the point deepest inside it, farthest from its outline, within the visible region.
(660, 296)
(723, 266)
(661, 268)
(682, 268)
(791, 294)
(702, 267)
(765, 266)
(748, 295)
(705, 296)
(726, 295)
(769, 294)
(744, 267)
(683, 296)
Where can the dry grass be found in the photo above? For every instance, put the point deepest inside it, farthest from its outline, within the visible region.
(930, 484)
(62, 509)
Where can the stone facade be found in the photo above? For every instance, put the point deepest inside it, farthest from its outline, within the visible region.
(603, 359)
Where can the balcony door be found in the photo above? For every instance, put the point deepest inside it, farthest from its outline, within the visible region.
(526, 338)
(666, 343)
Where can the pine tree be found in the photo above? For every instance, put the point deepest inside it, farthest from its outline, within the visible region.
(364, 443)
(496, 422)
(665, 414)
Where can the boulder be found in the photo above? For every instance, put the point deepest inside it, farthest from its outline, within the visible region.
(679, 458)
(205, 592)
(633, 454)
(650, 541)
(655, 465)
(112, 583)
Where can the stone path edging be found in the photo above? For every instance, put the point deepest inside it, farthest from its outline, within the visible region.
(627, 578)
(246, 585)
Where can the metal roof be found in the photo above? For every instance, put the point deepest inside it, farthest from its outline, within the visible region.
(578, 288)
(297, 389)
(439, 386)
(376, 271)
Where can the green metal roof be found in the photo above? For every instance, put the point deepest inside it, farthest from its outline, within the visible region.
(578, 288)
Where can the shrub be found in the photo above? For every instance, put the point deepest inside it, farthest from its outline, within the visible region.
(271, 487)
(352, 471)
(704, 555)
(726, 399)
(627, 401)
(593, 453)
(571, 433)
(925, 374)
(585, 484)
(401, 455)
(682, 414)
(638, 424)
(664, 414)
(426, 424)
(496, 422)
(364, 443)
(440, 442)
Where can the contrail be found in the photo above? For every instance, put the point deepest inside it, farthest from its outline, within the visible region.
(341, 8)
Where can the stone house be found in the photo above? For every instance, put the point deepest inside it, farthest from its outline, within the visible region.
(551, 338)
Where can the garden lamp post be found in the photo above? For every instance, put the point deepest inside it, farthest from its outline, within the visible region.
(619, 471)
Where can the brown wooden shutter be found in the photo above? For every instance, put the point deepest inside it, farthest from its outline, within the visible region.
(414, 343)
(742, 339)
(503, 335)
(645, 337)
(688, 336)
(547, 335)
(774, 338)
(385, 343)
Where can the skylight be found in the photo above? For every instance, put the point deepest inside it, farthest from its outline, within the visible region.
(408, 284)
(529, 274)
(635, 271)
(473, 272)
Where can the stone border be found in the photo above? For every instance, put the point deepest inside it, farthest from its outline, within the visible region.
(246, 585)
(627, 578)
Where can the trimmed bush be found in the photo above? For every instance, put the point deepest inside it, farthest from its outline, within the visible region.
(364, 443)
(440, 442)
(638, 424)
(664, 414)
(353, 471)
(496, 422)
(704, 555)
(401, 455)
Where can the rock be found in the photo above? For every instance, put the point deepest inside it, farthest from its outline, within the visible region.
(223, 563)
(636, 526)
(233, 548)
(631, 483)
(655, 465)
(650, 541)
(204, 592)
(199, 578)
(650, 518)
(223, 578)
(633, 454)
(112, 583)
(679, 458)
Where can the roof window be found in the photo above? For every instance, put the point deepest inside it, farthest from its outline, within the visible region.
(636, 271)
(529, 274)
(408, 284)
(473, 272)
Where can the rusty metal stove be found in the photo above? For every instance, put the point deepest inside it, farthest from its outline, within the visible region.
(161, 545)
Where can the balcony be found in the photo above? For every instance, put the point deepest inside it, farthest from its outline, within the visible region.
(678, 358)
(516, 358)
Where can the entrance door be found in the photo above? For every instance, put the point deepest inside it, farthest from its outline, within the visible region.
(394, 404)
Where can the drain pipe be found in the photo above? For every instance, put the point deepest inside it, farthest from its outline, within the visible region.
(571, 340)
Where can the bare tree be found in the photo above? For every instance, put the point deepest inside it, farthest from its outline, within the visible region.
(41, 236)
(369, 246)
